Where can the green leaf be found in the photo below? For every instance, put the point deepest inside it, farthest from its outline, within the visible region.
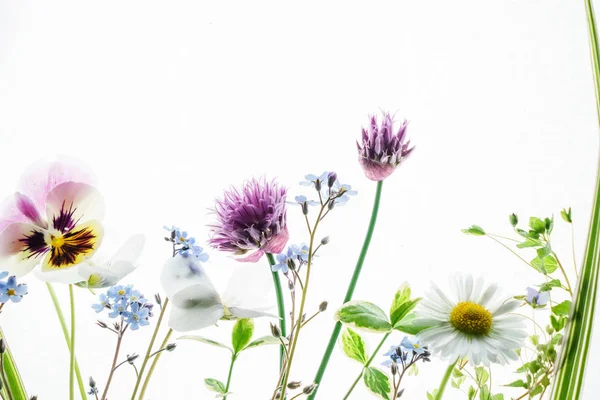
(206, 340)
(241, 334)
(566, 215)
(15, 383)
(537, 225)
(535, 339)
(365, 315)
(498, 396)
(518, 383)
(377, 382)
(558, 323)
(215, 385)
(402, 304)
(263, 341)
(410, 325)
(472, 393)
(475, 230)
(546, 265)
(549, 224)
(562, 308)
(544, 251)
(354, 346)
(537, 390)
(548, 286)
(482, 375)
(529, 243)
(513, 219)
(484, 393)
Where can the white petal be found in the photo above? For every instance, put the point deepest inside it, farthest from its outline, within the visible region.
(68, 275)
(131, 249)
(179, 274)
(488, 294)
(246, 313)
(83, 200)
(249, 287)
(506, 307)
(189, 319)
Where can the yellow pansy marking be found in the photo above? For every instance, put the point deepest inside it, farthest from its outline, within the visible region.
(71, 248)
(471, 318)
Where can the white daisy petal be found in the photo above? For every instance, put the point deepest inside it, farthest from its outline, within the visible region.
(507, 307)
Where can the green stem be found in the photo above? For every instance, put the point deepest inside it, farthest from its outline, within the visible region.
(564, 274)
(369, 361)
(72, 347)
(4, 378)
(571, 369)
(440, 393)
(350, 291)
(280, 306)
(14, 381)
(150, 346)
(63, 325)
(154, 362)
(509, 249)
(233, 358)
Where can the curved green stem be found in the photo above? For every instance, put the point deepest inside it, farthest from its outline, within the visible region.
(233, 358)
(14, 382)
(440, 393)
(149, 350)
(350, 291)
(154, 362)
(368, 363)
(72, 347)
(280, 306)
(63, 325)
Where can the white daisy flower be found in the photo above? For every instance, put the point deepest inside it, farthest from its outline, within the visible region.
(473, 323)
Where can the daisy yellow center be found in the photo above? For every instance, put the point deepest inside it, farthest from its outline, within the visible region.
(471, 318)
(11, 292)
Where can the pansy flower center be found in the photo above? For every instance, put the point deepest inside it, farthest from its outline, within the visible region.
(57, 241)
(471, 318)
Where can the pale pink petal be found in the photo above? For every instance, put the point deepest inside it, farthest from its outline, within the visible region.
(71, 203)
(278, 242)
(252, 257)
(41, 177)
(10, 213)
(28, 209)
(22, 247)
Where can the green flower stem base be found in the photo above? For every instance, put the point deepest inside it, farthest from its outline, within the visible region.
(154, 362)
(575, 350)
(350, 292)
(280, 307)
(440, 392)
(233, 358)
(72, 346)
(14, 383)
(63, 325)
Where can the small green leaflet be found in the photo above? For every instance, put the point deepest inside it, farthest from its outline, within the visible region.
(215, 385)
(562, 308)
(354, 346)
(265, 340)
(241, 334)
(365, 315)
(377, 382)
(402, 305)
(546, 265)
(207, 341)
(475, 230)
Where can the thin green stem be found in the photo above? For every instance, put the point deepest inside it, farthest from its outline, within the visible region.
(15, 383)
(72, 347)
(564, 274)
(63, 325)
(150, 346)
(440, 393)
(154, 362)
(4, 378)
(509, 249)
(350, 291)
(298, 326)
(573, 250)
(367, 364)
(113, 365)
(280, 305)
(233, 358)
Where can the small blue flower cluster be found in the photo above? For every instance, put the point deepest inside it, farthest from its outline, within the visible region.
(127, 303)
(10, 290)
(294, 257)
(184, 244)
(329, 188)
(407, 348)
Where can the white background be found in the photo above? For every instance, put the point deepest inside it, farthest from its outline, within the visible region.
(171, 103)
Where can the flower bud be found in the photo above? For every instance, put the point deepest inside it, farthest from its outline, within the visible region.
(400, 393)
(325, 240)
(394, 368)
(294, 385)
(318, 185)
(2, 346)
(291, 264)
(331, 205)
(158, 299)
(275, 331)
(331, 178)
(132, 358)
(305, 208)
(170, 347)
(101, 324)
(514, 220)
(34, 397)
(323, 306)
(307, 390)
(291, 286)
(92, 383)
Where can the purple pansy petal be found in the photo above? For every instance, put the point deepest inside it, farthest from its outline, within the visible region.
(29, 210)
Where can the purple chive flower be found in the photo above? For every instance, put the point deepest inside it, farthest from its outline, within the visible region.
(251, 221)
(382, 151)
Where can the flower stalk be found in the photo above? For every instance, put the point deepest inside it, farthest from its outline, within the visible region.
(280, 307)
(13, 382)
(72, 346)
(575, 350)
(440, 392)
(350, 291)
(154, 362)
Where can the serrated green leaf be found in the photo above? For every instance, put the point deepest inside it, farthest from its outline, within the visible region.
(354, 346)
(215, 385)
(377, 382)
(264, 341)
(518, 383)
(206, 340)
(548, 286)
(242, 334)
(402, 304)
(537, 225)
(364, 315)
(562, 308)
(410, 325)
(475, 230)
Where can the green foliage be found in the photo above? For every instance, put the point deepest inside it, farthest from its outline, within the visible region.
(402, 305)
(354, 346)
(215, 385)
(241, 334)
(409, 325)
(364, 315)
(562, 308)
(264, 340)
(474, 230)
(205, 340)
(566, 215)
(546, 265)
(377, 382)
